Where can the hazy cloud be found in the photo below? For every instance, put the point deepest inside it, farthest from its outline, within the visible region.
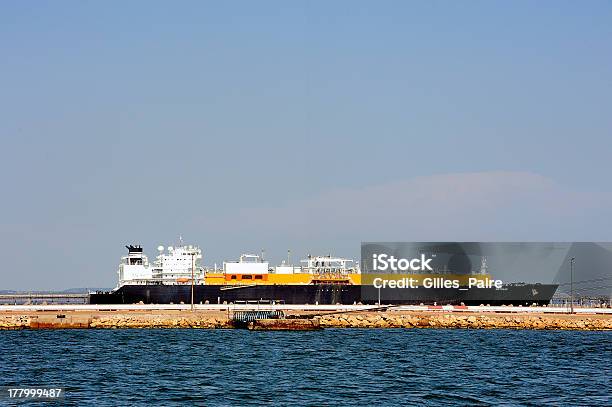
(466, 206)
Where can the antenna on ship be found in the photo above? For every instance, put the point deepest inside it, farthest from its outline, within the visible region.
(483, 265)
(289, 257)
(263, 252)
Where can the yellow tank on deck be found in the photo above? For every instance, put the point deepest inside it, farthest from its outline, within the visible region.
(279, 279)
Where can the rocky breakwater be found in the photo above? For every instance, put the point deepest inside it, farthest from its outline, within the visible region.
(15, 322)
(474, 321)
(116, 320)
(160, 321)
(395, 319)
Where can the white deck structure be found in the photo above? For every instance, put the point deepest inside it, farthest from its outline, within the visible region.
(171, 267)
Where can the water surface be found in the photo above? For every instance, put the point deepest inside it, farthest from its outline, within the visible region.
(331, 367)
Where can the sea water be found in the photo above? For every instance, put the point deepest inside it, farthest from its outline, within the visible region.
(332, 367)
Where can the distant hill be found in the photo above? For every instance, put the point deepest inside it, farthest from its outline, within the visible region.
(66, 291)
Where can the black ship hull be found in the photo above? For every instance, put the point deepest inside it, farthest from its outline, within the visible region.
(519, 294)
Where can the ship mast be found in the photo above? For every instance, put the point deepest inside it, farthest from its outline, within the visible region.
(192, 266)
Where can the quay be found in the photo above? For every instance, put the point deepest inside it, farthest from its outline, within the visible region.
(296, 317)
(299, 307)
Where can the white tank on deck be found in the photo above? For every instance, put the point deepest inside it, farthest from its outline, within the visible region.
(247, 264)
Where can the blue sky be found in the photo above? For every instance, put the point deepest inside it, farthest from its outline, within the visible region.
(302, 125)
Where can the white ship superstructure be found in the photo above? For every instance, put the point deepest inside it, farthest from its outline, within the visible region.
(322, 265)
(134, 268)
(176, 266)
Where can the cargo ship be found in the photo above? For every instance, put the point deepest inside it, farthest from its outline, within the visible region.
(176, 276)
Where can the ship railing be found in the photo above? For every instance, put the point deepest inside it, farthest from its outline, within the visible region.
(251, 316)
(259, 302)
